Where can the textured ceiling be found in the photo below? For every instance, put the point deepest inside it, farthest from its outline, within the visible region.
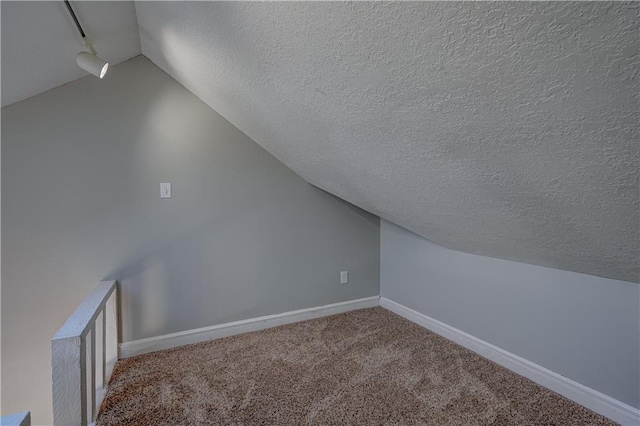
(40, 42)
(503, 129)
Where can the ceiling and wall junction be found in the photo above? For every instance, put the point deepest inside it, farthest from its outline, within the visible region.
(503, 129)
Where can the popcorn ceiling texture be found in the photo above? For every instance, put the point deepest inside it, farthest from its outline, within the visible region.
(503, 129)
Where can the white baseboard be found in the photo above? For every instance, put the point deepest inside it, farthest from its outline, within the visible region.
(167, 341)
(590, 398)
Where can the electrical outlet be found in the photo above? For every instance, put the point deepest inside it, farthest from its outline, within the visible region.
(344, 277)
(165, 190)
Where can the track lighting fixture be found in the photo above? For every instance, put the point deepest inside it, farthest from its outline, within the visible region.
(88, 61)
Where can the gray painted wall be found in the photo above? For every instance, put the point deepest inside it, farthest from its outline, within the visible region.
(581, 326)
(505, 129)
(243, 236)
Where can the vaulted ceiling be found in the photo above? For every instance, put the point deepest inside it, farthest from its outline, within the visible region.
(40, 42)
(504, 129)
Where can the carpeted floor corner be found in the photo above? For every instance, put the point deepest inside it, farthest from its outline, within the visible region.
(366, 367)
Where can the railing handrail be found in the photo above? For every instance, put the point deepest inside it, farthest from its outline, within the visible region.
(83, 354)
(78, 324)
(22, 418)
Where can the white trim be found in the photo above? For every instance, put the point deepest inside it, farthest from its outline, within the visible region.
(74, 355)
(590, 398)
(151, 344)
(596, 401)
(81, 320)
(22, 418)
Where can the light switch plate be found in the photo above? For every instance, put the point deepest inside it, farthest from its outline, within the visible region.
(165, 190)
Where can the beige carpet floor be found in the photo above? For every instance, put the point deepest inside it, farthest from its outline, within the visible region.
(366, 367)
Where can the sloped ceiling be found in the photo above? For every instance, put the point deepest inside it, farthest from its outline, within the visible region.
(40, 42)
(503, 129)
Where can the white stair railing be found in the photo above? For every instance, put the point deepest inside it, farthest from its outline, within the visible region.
(18, 419)
(83, 353)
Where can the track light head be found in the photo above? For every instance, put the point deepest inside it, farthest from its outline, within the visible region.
(92, 64)
(88, 61)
